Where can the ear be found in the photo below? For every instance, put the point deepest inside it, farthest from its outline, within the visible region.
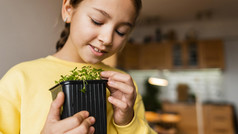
(66, 11)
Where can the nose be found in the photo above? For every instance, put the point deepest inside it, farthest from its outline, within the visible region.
(106, 36)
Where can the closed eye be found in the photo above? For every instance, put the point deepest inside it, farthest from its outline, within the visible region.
(96, 22)
(119, 33)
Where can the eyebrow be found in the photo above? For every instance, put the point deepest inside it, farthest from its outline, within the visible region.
(103, 12)
(107, 15)
(128, 24)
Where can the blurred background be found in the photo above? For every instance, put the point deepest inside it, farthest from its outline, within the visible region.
(182, 55)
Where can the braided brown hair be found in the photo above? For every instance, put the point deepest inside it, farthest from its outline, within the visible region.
(65, 33)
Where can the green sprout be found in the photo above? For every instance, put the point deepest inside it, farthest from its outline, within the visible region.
(86, 73)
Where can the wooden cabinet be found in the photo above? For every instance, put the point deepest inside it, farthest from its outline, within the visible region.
(185, 55)
(146, 56)
(211, 54)
(188, 120)
(129, 57)
(155, 56)
(217, 119)
(173, 55)
(198, 54)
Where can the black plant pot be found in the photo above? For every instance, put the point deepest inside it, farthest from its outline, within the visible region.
(93, 100)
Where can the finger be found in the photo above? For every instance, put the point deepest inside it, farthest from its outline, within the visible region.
(118, 103)
(88, 122)
(85, 127)
(73, 121)
(125, 88)
(54, 113)
(91, 130)
(112, 75)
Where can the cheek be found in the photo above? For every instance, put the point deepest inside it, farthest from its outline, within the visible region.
(119, 44)
(82, 30)
(83, 34)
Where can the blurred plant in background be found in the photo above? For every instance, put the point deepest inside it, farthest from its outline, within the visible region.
(150, 97)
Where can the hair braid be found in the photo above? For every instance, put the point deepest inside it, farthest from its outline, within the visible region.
(63, 37)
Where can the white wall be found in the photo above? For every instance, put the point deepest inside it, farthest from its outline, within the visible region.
(231, 72)
(224, 29)
(29, 29)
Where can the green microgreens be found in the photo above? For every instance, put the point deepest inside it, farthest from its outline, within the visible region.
(86, 73)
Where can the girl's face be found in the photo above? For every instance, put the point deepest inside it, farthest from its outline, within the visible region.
(99, 28)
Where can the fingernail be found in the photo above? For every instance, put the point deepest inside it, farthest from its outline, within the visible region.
(86, 113)
(59, 94)
(102, 73)
(91, 129)
(111, 82)
(92, 119)
(109, 98)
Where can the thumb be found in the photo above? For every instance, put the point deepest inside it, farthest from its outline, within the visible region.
(54, 113)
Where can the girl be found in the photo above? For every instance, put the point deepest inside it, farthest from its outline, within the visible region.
(95, 30)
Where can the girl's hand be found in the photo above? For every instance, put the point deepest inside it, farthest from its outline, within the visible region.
(123, 96)
(79, 123)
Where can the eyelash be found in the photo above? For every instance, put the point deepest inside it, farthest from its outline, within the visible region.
(99, 24)
(120, 34)
(96, 23)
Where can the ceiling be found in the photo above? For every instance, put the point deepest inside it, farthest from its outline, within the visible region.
(182, 10)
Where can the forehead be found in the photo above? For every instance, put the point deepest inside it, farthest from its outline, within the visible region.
(116, 8)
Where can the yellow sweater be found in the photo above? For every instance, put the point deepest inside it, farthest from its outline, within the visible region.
(25, 98)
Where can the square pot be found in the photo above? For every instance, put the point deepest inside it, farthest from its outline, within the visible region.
(92, 100)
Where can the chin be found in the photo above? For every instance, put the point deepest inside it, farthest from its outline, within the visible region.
(94, 61)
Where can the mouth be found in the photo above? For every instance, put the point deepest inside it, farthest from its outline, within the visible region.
(97, 51)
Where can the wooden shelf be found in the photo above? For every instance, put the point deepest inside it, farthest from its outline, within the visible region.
(173, 55)
(217, 119)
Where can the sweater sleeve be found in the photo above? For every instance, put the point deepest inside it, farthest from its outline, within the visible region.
(138, 125)
(10, 103)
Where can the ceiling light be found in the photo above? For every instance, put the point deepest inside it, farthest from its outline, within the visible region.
(157, 81)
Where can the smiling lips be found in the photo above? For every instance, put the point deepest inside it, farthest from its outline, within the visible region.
(97, 51)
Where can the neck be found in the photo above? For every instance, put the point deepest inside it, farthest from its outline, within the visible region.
(68, 53)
